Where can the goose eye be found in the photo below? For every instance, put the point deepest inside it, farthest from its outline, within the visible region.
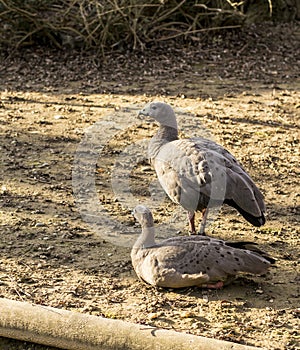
(154, 107)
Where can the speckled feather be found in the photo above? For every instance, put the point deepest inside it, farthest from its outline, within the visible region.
(191, 260)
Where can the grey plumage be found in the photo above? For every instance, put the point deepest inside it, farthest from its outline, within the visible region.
(191, 260)
(198, 173)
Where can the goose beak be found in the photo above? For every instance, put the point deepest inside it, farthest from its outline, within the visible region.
(142, 113)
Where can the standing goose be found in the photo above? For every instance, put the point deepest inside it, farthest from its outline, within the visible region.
(186, 261)
(198, 173)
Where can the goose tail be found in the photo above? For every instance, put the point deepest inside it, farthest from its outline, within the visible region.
(254, 220)
(253, 248)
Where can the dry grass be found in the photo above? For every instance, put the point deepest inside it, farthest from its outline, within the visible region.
(110, 24)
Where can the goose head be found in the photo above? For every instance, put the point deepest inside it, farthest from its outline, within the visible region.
(160, 111)
(143, 215)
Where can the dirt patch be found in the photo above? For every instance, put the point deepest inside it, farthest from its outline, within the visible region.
(246, 95)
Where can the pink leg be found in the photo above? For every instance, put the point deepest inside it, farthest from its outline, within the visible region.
(191, 218)
(217, 285)
(203, 222)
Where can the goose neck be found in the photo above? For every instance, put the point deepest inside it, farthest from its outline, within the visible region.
(164, 135)
(146, 238)
(167, 133)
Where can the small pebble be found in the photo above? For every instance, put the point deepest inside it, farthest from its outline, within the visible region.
(146, 168)
(43, 165)
(3, 189)
(39, 224)
(259, 291)
(205, 298)
(195, 325)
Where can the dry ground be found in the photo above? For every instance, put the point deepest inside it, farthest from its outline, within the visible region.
(243, 88)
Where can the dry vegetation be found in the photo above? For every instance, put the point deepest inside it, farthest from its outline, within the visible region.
(120, 24)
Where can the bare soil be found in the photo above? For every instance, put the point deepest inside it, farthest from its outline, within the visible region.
(243, 87)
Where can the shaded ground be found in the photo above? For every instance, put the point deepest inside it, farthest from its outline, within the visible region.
(243, 87)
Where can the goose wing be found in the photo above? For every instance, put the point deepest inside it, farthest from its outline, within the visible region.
(216, 258)
(195, 171)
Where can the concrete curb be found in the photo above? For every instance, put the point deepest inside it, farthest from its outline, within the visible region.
(75, 331)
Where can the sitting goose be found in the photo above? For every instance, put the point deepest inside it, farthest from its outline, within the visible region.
(197, 173)
(186, 261)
